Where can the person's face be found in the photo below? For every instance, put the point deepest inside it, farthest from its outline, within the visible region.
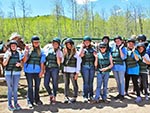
(102, 49)
(55, 45)
(87, 43)
(118, 42)
(130, 45)
(13, 47)
(68, 45)
(105, 40)
(140, 49)
(36, 43)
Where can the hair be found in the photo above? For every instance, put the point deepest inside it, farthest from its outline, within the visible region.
(38, 50)
(70, 52)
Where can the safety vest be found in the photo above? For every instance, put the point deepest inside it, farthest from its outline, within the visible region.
(143, 66)
(51, 60)
(34, 58)
(71, 62)
(116, 57)
(103, 60)
(11, 66)
(88, 58)
(130, 62)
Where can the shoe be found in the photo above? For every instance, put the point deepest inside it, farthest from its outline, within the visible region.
(94, 101)
(106, 101)
(54, 100)
(66, 99)
(138, 99)
(85, 100)
(121, 97)
(11, 108)
(146, 97)
(30, 105)
(17, 107)
(50, 99)
(117, 97)
(73, 100)
(39, 102)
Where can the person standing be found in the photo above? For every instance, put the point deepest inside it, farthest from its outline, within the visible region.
(12, 63)
(87, 52)
(143, 62)
(54, 57)
(72, 66)
(34, 59)
(103, 63)
(119, 54)
(132, 68)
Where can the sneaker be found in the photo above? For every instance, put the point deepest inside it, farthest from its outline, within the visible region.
(17, 107)
(50, 99)
(138, 99)
(121, 97)
(146, 97)
(94, 101)
(39, 102)
(66, 100)
(54, 100)
(106, 101)
(117, 97)
(73, 100)
(85, 100)
(30, 105)
(11, 108)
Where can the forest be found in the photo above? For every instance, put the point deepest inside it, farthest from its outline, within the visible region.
(83, 20)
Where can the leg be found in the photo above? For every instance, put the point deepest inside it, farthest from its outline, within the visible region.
(121, 82)
(127, 79)
(67, 82)
(75, 85)
(92, 73)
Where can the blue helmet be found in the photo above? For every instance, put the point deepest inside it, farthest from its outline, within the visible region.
(35, 38)
(87, 38)
(56, 39)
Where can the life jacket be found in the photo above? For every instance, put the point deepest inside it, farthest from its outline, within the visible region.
(51, 59)
(116, 56)
(130, 62)
(103, 60)
(70, 61)
(11, 66)
(34, 58)
(88, 58)
(143, 66)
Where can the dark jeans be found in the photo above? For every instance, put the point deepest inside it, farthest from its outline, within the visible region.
(144, 82)
(51, 73)
(135, 83)
(67, 77)
(33, 96)
(88, 73)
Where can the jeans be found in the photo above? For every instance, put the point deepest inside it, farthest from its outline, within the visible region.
(143, 82)
(33, 97)
(51, 73)
(102, 78)
(67, 77)
(12, 83)
(88, 73)
(119, 76)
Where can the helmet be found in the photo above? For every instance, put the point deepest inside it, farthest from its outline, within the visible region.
(102, 44)
(69, 40)
(131, 40)
(14, 35)
(141, 37)
(118, 37)
(35, 38)
(12, 42)
(56, 39)
(141, 44)
(87, 38)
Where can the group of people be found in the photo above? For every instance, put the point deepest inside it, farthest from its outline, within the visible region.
(130, 61)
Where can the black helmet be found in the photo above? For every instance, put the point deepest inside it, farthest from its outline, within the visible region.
(102, 44)
(56, 39)
(117, 37)
(35, 38)
(69, 40)
(87, 38)
(131, 40)
(13, 42)
(141, 37)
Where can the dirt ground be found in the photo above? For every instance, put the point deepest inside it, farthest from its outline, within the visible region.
(115, 106)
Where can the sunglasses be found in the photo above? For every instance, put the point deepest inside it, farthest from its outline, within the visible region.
(102, 47)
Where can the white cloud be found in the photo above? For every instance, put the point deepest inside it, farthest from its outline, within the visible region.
(84, 1)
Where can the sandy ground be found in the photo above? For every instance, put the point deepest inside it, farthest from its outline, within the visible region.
(115, 106)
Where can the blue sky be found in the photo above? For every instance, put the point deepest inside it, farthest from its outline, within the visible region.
(44, 7)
